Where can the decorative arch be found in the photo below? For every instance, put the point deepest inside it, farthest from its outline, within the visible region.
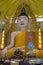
(18, 11)
(28, 11)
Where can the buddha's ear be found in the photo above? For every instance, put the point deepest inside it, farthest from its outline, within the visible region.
(17, 19)
(28, 19)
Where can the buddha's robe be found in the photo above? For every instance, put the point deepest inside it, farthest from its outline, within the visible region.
(20, 39)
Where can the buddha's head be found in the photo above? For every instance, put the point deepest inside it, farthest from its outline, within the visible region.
(22, 19)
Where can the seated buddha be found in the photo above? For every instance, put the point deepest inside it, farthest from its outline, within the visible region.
(18, 38)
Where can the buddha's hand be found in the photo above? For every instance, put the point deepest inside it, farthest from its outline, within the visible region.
(4, 52)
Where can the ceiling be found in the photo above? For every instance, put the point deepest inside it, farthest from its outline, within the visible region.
(9, 7)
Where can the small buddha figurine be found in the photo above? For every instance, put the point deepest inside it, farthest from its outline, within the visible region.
(22, 22)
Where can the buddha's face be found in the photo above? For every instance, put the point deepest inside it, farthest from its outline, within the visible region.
(22, 21)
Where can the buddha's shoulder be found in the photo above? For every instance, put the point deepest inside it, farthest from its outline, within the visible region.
(15, 32)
